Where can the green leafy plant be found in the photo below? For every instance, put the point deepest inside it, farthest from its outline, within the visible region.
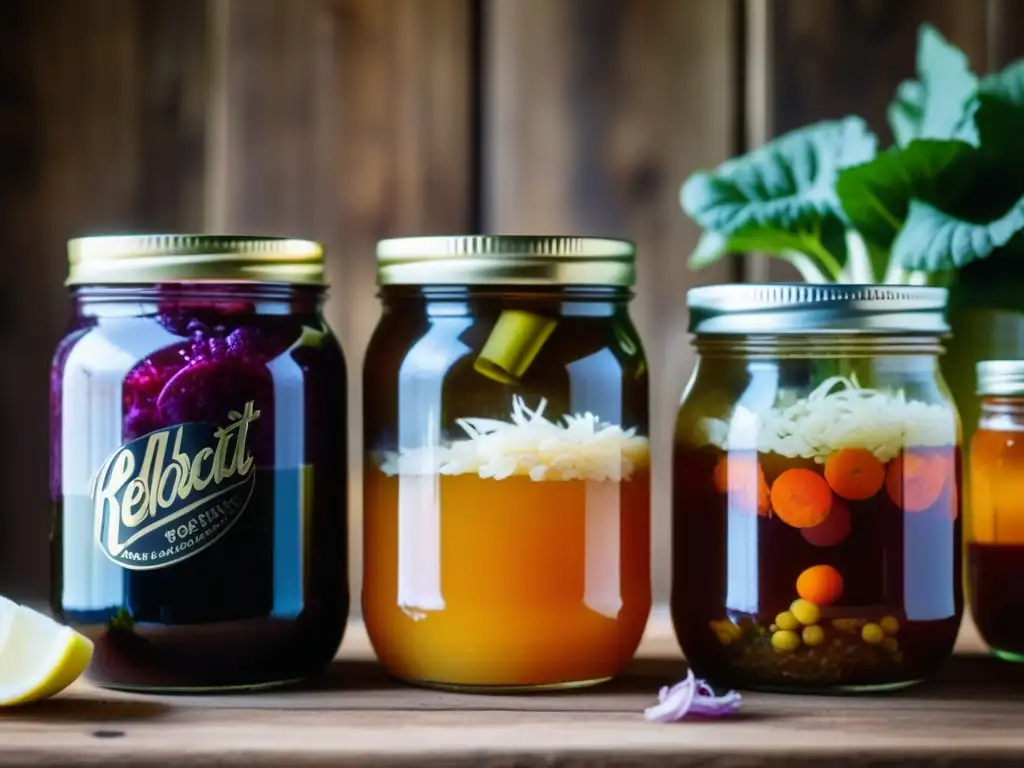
(947, 196)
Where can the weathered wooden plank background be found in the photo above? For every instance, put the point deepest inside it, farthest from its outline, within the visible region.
(351, 120)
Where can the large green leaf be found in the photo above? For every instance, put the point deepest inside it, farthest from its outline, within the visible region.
(972, 184)
(999, 123)
(995, 283)
(1007, 84)
(876, 195)
(933, 240)
(782, 195)
(786, 185)
(712, 246)
(931, 106)
(906, 111)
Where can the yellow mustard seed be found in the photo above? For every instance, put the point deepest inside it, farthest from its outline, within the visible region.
(850, 626)
(813, 635)
(806, 612)
(721, 631)
(785, 641)
(890, 644)
(786, 620)
(872, 634)
(890, 625)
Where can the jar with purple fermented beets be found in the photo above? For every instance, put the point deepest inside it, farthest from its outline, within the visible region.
(198, 462)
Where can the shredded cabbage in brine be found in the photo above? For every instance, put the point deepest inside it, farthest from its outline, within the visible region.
(584, 448)
(830, 419)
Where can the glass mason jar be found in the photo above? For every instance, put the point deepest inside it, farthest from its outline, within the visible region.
(816, 541)
(198, 462)
(506, 487)
(995, 539)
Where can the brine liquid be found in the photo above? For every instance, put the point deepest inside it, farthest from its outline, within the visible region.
(995, 573)
(262, 605)
(995, 552)
(735, 565)
(472, 581)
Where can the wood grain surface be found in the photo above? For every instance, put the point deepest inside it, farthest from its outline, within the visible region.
(1005, 33)
(355, 715)
(102, 119)
(594, 112)
(345, 121)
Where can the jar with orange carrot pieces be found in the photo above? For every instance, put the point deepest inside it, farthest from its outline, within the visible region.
(816, 525)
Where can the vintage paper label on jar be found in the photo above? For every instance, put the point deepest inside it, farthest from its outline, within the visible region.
(170, 494)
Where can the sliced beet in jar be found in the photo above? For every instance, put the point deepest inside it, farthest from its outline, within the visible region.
(198, 462)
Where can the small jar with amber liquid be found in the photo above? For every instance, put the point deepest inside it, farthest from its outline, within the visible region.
(995, 540)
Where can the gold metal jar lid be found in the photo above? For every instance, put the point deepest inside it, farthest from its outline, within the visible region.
(506, 260)
(806, 309)
(121, 259)
(1000, 378)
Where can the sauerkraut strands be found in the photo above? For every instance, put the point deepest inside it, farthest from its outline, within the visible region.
(838, 414)
(583, 448)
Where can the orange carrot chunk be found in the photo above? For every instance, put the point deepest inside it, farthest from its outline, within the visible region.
(720, 475)
(743, 480)
(833, 530)
(820, 584)
(915, 481)
(854, 473)
(801, 498)
(764, 502)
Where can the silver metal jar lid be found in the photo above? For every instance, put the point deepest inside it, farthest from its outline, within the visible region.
(801, 309)
(1000, 377)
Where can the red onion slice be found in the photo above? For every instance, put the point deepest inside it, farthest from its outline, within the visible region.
(691, 697)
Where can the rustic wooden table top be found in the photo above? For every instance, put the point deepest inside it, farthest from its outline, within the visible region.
(973, 714)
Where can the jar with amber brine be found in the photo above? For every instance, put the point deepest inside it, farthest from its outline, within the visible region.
(506, 467)
(198, 462)
(816, 540)
(995, 538)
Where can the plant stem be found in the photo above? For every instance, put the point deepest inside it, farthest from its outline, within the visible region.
(808, 267)
(812, 245)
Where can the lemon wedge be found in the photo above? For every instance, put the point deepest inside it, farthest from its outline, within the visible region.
(38, 656)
